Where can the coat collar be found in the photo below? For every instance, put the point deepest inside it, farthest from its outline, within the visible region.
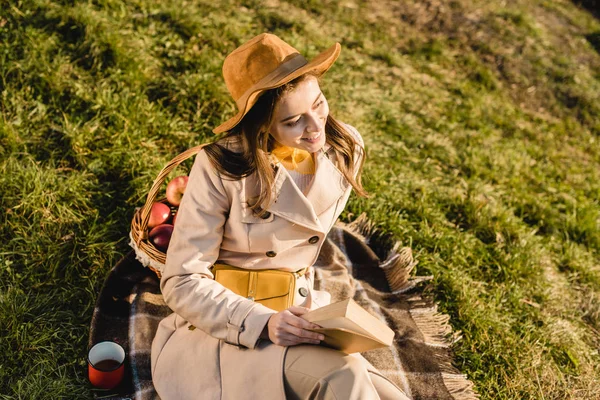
(290, 203)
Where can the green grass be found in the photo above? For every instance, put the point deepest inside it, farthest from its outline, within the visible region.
(482, 124)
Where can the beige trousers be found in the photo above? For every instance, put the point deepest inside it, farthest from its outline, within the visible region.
(316, 372)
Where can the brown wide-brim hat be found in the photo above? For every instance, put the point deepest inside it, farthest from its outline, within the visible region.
(266, 62)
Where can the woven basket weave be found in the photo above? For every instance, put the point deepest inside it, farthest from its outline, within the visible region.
(146, 253)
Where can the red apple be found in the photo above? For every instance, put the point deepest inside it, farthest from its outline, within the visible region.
(159, 214)
(160, 236)
(175, 189)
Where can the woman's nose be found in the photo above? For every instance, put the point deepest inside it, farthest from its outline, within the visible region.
(315, 123)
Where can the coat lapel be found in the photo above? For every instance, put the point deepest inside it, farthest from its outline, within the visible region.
(329, 183)
(290, 203)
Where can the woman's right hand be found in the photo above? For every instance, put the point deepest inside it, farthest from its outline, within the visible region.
(286, 328)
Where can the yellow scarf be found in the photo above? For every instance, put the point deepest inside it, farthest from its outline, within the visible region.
(295, 159)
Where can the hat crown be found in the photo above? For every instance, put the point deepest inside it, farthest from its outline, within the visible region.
(254, 60)
(266, 62)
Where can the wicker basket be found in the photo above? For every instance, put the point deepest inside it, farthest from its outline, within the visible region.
(145, 251)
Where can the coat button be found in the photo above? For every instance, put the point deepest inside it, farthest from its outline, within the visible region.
(313, 240)
(266, 215)
(303, 291)
(271, 254)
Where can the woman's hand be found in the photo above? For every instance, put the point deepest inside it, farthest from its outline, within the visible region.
(286, 328)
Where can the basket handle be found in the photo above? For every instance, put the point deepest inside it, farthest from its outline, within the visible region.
(160, 178)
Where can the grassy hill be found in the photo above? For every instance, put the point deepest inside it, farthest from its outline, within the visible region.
(482, 125)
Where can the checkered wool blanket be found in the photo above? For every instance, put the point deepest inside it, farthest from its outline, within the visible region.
(130, 306)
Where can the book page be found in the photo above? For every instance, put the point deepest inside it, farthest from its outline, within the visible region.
(348, 342)
(347, 314)
(342, 323)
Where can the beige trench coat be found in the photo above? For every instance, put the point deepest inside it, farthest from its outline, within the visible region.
(223, 358)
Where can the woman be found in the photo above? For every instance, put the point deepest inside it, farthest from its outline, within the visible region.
(262, 197)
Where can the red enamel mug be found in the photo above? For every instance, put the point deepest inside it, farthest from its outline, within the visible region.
(106, 364)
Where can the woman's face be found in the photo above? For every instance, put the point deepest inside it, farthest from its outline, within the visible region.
(299, 117)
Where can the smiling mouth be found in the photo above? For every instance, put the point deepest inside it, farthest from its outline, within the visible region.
(313, 138)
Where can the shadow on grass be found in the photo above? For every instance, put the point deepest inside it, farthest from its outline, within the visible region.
(593, 6)
(594, 40)
(184, 30)
(111, 200)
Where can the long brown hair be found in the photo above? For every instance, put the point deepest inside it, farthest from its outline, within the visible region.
(256, 144)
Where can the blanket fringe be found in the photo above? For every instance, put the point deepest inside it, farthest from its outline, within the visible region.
(460, 387)
(397, 267)
(435, 326)
(362, 227)
(437, 333)
(399, 262)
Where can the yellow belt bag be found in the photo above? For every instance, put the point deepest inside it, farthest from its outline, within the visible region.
(270, 287)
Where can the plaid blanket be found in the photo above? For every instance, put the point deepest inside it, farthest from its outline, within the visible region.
(353, 263)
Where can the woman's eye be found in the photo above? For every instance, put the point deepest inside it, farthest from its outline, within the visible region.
(298, 120)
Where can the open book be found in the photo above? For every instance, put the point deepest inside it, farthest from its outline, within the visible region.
(350, 328)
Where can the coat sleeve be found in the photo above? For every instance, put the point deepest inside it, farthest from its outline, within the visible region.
(187, 284)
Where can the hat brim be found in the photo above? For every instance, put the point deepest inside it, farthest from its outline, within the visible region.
(320, 64)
